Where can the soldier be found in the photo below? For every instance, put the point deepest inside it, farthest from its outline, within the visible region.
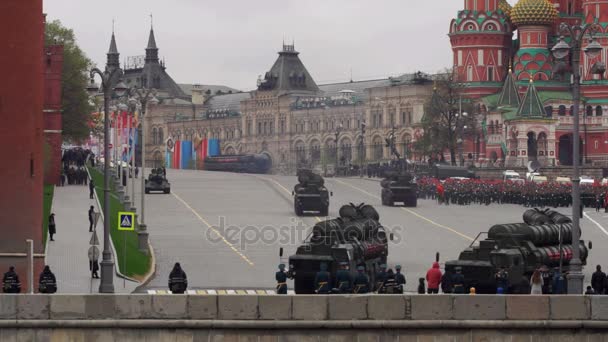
(11, 283)
(446, 282)
(458, 281)
(344, 280)
(361, 281)
(47, 282)
(380, 278)
(322, 280)
(178, 281)
(399, 277)
(91, 218)
(502, 280)
(281, 278)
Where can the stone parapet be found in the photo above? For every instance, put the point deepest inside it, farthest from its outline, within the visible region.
(338, 308)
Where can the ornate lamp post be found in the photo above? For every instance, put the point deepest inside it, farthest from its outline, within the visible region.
(361, 148)
(143, 96)
(338, 131)
(460, 117)
(107, 79)
(560, 51)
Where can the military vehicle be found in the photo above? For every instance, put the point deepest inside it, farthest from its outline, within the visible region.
(157, 182)
(310, 194)
(399, 187)
(246, 163)
(544, 239)
(356, 237)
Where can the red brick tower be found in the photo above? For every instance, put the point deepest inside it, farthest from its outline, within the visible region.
(21, 98)
(53, 64)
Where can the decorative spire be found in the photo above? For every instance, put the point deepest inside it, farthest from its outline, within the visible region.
(151, 49)
(509, 96)
(531, 105)
(113, 55)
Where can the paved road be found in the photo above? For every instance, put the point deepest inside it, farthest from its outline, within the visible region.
(226, 229)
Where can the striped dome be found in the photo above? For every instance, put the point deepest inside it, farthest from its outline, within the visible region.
(533, 12)
(504, 6)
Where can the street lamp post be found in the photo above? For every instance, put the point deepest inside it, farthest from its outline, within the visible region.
(460, 126)
(361, 147)
(560, 51)
(144, 96)
(338, 130)
(107, 79)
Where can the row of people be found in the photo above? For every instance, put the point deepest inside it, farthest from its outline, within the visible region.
(47, 283)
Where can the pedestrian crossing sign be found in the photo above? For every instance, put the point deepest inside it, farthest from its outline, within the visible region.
(126, 220)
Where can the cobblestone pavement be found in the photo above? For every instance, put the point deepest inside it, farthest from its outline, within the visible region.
(254, 215)
(68, 254)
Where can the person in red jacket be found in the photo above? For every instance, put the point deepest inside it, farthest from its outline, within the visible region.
(433, 278)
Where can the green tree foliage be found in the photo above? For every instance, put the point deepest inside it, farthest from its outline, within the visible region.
(444, 125)
(75, 77)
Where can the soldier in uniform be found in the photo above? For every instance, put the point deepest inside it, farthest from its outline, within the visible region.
(502, 280)
(399, 277)
(361, 282)
(458, 281)
(47, 282)
(344, 280)
(281, 278)
(178, 281)
(11, 283)
(380, 278)
(322, 280)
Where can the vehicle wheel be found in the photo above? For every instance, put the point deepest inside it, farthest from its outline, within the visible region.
(167, 191)
(303, 285)
(147, 191)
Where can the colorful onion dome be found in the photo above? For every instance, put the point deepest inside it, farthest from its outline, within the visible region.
(504, 6)
(533, 12)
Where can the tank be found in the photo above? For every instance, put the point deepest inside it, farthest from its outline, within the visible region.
(354, 239)
(399, 187)
(157, 182)
(520, 249)
(310, 194)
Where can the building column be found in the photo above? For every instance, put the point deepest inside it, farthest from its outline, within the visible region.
(398, 121)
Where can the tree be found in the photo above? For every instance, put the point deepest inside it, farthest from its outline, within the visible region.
(75, 105)
(445, 126)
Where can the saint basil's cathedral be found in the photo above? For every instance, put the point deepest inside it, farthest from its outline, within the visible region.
(503, 58)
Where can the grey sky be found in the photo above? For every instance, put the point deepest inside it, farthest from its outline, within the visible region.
(232, 42)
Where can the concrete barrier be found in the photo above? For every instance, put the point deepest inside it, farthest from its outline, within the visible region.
(142, 317)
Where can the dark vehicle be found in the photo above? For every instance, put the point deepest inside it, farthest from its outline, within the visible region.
(519, 248)
(157, 182)
(310, 194)
(399, 187)
(443, 171)
(356, 237)
(246, 163)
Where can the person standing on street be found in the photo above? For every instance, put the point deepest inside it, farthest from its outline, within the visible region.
(281, 278)
(361, 282)
(322, 280)
(433, 278)
(91, 189)
(598, 279)
(344, 279)
(458, 281)
(399, 277)
(52, 229)
(91, 218)
(94, 267)
(537, 283)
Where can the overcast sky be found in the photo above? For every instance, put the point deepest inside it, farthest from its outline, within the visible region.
(232, 42)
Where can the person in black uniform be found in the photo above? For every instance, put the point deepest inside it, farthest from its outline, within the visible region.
(344, 280)
(400, 278)
(91, 189)
(52, 228)
(458, 281)
(10, 282)
(281, 278)
(91, 218)
(322, 280)
(446, 282)
(178, 282)
(361, 282)
(380, 278)
(47, 282)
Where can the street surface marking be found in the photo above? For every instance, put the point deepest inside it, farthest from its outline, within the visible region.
(214, 230)
(596, 223)
(466, 237)
(286, 190)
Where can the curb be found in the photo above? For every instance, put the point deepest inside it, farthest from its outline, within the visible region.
(116, 264)
(148, 277)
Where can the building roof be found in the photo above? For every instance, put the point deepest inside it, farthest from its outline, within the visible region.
(509, 96)
(531, 105)
(187, 88)
(288, 75)
(151, 40)
(533, 12)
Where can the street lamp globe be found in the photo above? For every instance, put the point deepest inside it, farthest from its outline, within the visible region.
(154, 101)
(120, 89)
(465, 114)
(593, 49)
(561, 49)
(123, 107)
(93, 88)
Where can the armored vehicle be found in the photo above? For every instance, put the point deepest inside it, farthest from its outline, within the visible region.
(310, 194)
(399, 187)
(545, 239)
(356, 237)
(157, 182)
(247, 163)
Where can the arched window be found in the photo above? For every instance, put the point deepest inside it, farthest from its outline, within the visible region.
(470, 73)
(377, 148)
(562, 110)
(589, 111)
(154, 136)
(549, 111)
(598, 111)
(161, 137)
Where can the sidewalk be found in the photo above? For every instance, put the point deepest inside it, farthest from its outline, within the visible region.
(68, 254)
